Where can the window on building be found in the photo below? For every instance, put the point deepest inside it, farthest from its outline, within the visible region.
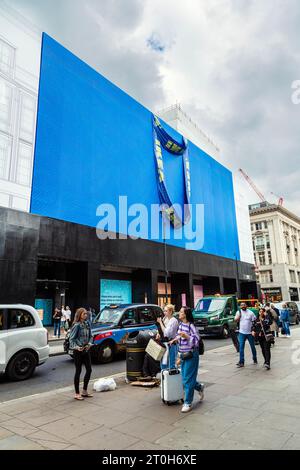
(24, 164)
(5, 156)
(267, 241)
(27, 118)
(258, 226)
(260, 243)
(266, 277)
(269, 257)
(292, 276)
(265, 224)
(299, 277)
(7, 58)
(262, 258)
(6, 95)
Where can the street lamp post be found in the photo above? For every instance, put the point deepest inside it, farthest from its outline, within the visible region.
(165, 260)
(237, 276)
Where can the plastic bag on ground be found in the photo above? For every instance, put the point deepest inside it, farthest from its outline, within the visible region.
(104, 385)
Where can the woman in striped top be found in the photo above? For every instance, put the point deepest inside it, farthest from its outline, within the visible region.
(188, 356)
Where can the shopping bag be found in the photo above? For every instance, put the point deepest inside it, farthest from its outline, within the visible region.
(155, 350)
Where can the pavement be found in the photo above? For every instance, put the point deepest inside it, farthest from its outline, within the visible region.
(248, 408)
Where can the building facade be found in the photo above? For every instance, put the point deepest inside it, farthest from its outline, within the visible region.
(20, 44)
(276, 245)
(52, 256)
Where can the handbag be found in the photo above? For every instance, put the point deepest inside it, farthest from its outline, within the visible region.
(201, 346)
(186, 355)
(268, 337)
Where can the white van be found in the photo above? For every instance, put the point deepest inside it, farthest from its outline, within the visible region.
(23, 341)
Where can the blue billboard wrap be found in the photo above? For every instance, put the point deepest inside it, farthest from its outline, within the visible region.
(94, 143)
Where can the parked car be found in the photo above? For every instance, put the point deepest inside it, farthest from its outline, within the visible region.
(293, 310)
(112, 326)
(23, 341)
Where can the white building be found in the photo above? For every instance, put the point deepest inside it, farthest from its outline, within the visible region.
(276, 245)
(20, 50)
(179, 120)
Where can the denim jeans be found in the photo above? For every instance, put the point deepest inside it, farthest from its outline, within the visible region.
(57, 327)
(286, 327)
(171, 361)
(242, 340)
(189, 371)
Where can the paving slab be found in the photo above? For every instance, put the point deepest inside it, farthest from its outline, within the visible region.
(19, 443)
(206, 426)
(69, 427)
(144, 428)
(256, 436)
(188, 440)
(105, 439)
(233, 414)
(17, 426)
(276, 421)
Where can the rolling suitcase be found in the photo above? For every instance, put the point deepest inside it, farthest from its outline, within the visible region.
(171, 386)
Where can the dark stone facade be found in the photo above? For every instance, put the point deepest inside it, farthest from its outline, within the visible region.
(34, 248)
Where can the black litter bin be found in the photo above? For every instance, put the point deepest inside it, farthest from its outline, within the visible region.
(136, 344)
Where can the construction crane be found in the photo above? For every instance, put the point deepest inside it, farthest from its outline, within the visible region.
(249, 180)
(280, 199)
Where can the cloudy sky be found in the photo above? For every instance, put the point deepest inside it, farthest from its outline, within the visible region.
(229, 63)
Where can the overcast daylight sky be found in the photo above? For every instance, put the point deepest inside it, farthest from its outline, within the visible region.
(230, 63)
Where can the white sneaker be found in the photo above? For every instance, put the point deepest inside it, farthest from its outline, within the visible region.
(201, 393)
(186, 408)
(288, 336)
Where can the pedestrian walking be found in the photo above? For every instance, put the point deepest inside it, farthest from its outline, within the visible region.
(68, 315)
(245, 317)
(57, 322)
(285, 321)
(261, 329)
(168, 327)
(276, 310)
(63, 318)
(80, 343)
(188, 357)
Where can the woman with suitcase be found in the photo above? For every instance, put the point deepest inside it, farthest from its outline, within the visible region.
(188, 357)
(168, 327)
